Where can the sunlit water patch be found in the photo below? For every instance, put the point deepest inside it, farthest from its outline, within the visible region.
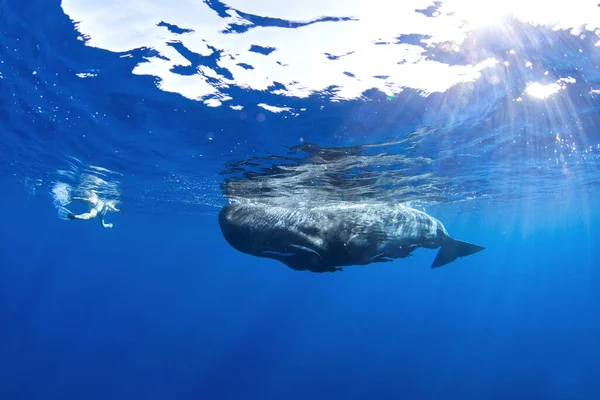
(395, 172)
(413, 101)
(204, 48)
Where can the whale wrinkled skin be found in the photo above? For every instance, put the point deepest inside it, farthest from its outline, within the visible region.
(325, 238)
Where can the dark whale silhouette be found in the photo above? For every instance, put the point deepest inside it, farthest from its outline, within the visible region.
(323, 239)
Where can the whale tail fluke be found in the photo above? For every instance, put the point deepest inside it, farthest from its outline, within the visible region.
(453, 249)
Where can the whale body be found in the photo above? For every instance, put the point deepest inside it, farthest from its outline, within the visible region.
(326, 238)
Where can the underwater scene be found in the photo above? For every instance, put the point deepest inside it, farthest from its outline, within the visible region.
(327, 199)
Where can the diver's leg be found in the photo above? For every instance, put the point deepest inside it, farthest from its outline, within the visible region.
(85, 200)
(88, 215)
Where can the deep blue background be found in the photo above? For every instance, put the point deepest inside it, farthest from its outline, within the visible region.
(160, 307)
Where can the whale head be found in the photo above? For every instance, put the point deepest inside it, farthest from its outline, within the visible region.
(257, 231)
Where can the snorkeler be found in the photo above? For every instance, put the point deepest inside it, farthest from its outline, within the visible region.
(98, 209)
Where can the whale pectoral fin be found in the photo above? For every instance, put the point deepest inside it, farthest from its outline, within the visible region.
(301, 258)
(402, 251)
(381, 258)
(326, 269)
(453, 249)
(307, 250)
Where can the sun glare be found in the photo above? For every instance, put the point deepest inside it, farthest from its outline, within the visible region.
(540, 91)
(479, 13)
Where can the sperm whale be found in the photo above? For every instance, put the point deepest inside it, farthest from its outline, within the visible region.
(326, 238)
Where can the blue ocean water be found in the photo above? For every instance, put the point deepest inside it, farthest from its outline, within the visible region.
(484, 116)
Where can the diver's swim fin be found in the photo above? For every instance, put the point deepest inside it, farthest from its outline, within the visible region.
(453, 249)
(65, 214)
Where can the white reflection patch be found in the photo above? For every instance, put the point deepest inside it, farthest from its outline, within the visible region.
(540, 91)
(358, 53)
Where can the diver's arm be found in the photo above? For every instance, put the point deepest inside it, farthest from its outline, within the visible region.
(104, 224)
(112, 208)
